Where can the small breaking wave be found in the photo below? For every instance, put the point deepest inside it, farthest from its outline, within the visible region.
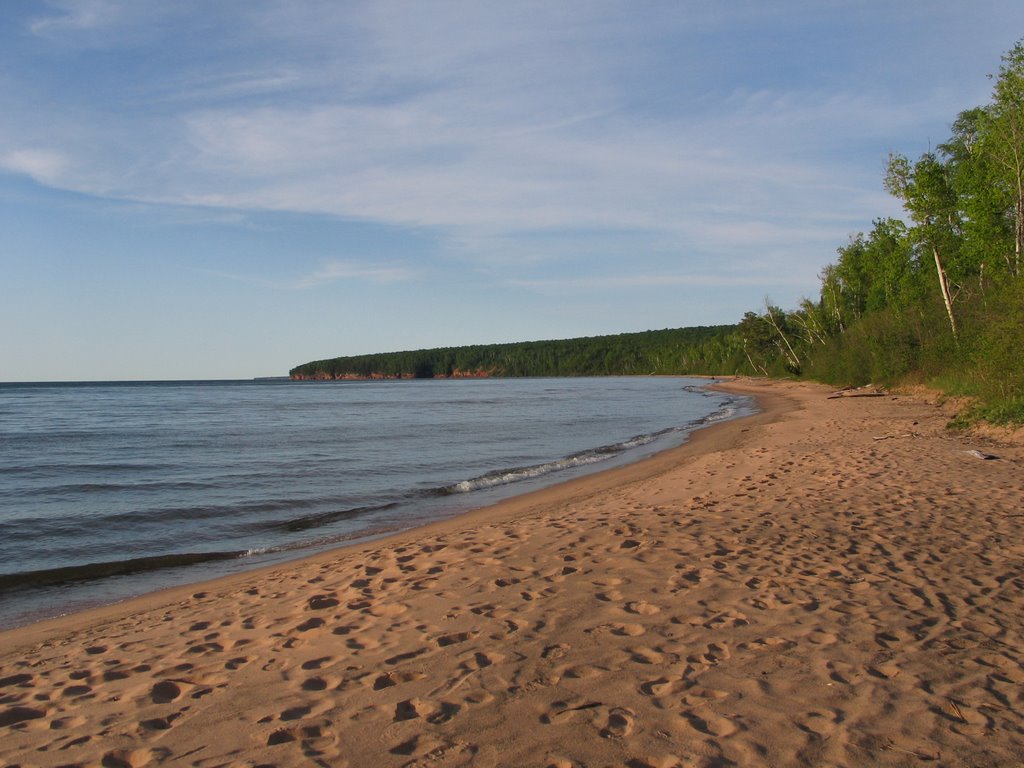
(726, 412)
(592, 456)
(324, 518)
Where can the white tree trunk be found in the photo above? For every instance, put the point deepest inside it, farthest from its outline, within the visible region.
(944, 285)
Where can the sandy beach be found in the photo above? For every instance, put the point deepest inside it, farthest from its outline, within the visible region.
(833, 582)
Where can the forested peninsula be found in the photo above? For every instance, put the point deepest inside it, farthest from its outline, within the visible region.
(704, 349)
(937, 298)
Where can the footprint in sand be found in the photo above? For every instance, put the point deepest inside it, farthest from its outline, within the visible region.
(422, 745)
(434, 712)
(388, 610)
(687, 580)
(887, 639)
(482, 660)
(111, 675)
(698, 697)
(886, 670)
(319, 683)
(135, 758)
(713, 654)
(711, 724)
(14, 715)
(819, 723)
(841, 672)
(552, 652)
(821, 637)
(315, 739)
(165, 692)
(322, 602)
(317, 663)
(642, 608)
(628, 630)
(645, 656)
(727, 620)
(159, 723)
(663, 686)
(563, 712)
(768, 644)
(584, 671)
(23, 680)
(657, 761)
(620, 723)
(62, 723)
(391, 679)
(362, 643)
(454, 638)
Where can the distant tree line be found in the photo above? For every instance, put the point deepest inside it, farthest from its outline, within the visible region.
(703, 349)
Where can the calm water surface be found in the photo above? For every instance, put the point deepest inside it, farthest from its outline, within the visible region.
(111, 490)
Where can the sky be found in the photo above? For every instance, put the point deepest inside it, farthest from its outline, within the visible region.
(196, 190)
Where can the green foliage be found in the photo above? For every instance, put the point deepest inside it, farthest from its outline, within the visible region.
(938, 300)
(990, 366)
(700, 350)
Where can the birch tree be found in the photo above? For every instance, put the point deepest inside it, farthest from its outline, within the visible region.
(929, 197)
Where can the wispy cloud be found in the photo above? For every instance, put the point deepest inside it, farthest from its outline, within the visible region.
(484, 122)
(343, 270)
(626, 281)
(76, 15)
(105, 24)
(228, 86)
(42, 165)
(333, 271)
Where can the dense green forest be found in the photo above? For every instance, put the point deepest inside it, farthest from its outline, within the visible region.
(939, 298)
(684, 350)
(936, 299)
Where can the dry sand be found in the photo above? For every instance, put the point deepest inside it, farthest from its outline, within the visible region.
(785, 590)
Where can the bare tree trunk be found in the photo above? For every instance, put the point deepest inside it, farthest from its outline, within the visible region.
(835, 308)
(944, 285)
(763, 370)
(1019, 229)
(794, 361)
(1018, 208)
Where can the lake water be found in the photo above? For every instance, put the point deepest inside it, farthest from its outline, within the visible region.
(109, 490)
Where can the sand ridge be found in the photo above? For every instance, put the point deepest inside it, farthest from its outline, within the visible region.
(831, 582)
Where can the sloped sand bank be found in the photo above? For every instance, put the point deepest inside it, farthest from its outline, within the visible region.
(831, 582)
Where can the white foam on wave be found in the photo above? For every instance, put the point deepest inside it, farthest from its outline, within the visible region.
(723, 415)
(505, 477)
(527, 473)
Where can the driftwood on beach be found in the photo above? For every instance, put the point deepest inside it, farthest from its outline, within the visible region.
(868, 391)
(894, 437)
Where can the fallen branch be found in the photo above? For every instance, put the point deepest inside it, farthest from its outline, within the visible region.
(956, 710)
(980, 455)
(857, 393)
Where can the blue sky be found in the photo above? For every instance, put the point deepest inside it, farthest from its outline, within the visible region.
(228, 189)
